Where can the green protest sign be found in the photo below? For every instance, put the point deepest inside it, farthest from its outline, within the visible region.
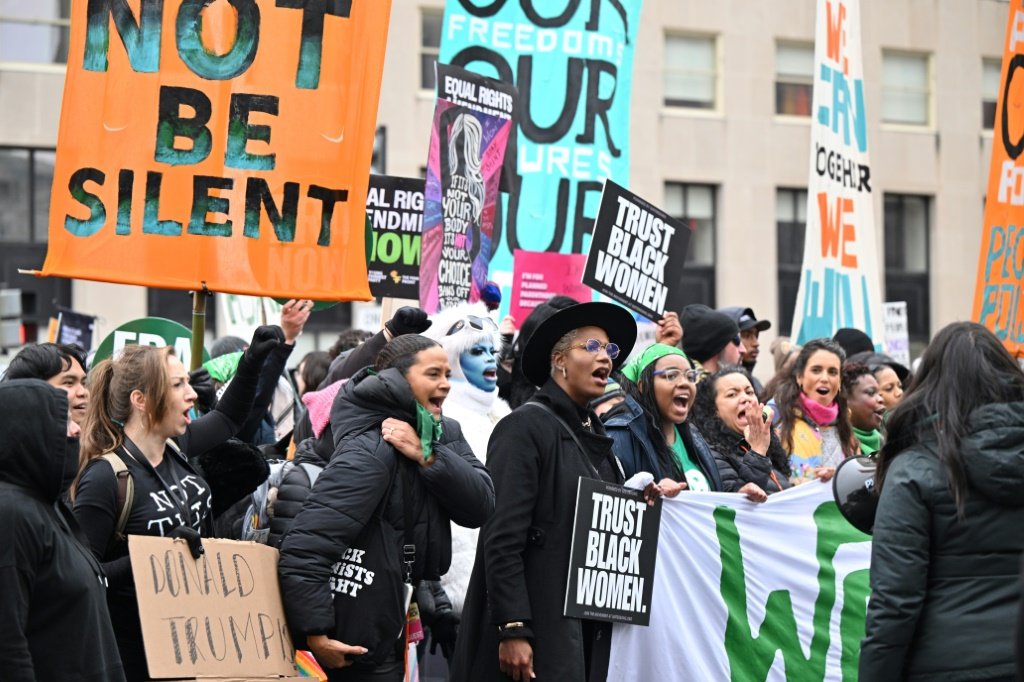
(149, 331)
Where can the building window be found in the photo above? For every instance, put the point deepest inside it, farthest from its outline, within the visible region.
(691, 74)
(26, 176)
(35, 32)
(794, 78)
(695, 206)
(990, 79)
(906, 89)
(430, 46)
(790, 229)
(907, 227)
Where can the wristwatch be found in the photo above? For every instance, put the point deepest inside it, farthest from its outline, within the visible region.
(513, 625)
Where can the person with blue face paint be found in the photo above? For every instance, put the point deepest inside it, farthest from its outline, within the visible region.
(480, 366)
(471, 339)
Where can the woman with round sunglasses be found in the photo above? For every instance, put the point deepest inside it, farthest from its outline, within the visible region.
(512, 622)
(649, 428)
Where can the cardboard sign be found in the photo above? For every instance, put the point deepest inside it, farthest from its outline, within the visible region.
(149, 331)
(999, 293)
(394, 209)
(470, 132)
(220, 615)
(539, 275)
(614, 550)
(218, 144)
(897, 332)
(839, 277)
(636, 253)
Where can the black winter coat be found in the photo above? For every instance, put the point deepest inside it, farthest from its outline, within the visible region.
(628, 427)
(455, 487)
(54, 623)
(522, 555)
(295, 485)
(945, 591)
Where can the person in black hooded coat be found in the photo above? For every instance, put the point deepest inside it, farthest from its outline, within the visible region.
(381, 422)
(54, 623)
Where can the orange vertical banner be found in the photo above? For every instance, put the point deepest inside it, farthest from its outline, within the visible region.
(999, 296)
(224, 143)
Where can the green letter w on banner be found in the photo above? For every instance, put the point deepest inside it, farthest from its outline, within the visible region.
(750, 658)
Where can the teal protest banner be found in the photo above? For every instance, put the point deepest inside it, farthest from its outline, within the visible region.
(574, 71)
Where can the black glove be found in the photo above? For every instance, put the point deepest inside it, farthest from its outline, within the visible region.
(206, 392)
(191, 536)
(407, 320)
(264, 339)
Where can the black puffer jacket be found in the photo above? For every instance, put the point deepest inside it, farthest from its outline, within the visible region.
(945, 590)
(455, 487)
(739, 465)
(295, 485)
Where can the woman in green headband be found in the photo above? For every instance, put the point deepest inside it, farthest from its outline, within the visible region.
(649, 427)
(391, 443)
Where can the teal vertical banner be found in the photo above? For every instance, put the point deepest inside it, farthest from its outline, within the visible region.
(572, 61)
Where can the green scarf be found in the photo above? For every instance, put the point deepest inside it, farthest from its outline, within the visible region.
(429, 428)
(870, 441)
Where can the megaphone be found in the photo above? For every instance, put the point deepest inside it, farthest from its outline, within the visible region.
(853, 487)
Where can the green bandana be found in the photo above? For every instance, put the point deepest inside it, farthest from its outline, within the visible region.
(429, 428)
(653, 353)
(223, 367)
(870, 441)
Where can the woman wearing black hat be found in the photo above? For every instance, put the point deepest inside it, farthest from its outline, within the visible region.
(512, 624)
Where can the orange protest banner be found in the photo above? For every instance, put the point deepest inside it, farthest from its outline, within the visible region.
(218, 142)
(999, 296)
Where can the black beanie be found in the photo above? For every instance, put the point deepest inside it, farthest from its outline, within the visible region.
(853, 341)
(706, 331)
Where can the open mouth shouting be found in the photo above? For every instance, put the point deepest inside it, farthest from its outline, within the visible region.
(681, 403)
(435, 403)
(600, 376)
(491, 374)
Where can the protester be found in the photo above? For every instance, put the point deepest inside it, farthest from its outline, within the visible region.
(513, 385)
(59, 365)
(139, 413)
(406, 320)
(710, 337)
(386, 420)
(54, 623)
(311, 370)
(470, 339)
(891, 376)
(512, 623)
(273, 412)
(650, 429)
(947, 540)
(812, 420)
(866, 407)
(750, 330)
(731, 421)
(348, 340)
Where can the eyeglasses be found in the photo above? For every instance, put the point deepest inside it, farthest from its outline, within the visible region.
(593, 345)
(675, 375)
(475, 322)
(736, 340)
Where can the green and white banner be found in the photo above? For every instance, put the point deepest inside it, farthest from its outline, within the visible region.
(751, 592)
